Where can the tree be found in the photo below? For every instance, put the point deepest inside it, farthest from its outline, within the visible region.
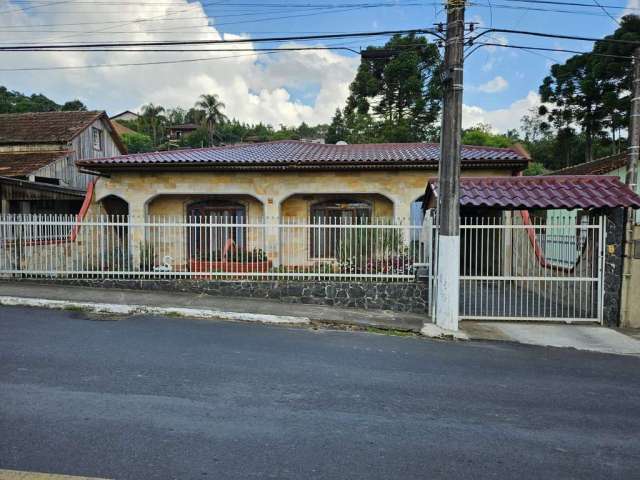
(481, 134)
(397, 90)
(337, 130)
(137, 142)
(74, 106)
(592, 90)
(153, 118)
(213, 115)
(176, 116)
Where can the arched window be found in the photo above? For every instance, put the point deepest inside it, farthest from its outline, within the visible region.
(217, 223)
(344, 210)
(325, 242)
(222, 209)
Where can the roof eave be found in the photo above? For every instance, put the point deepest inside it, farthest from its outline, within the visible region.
(198, 166)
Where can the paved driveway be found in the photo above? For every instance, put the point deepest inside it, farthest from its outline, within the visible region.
(147, 398)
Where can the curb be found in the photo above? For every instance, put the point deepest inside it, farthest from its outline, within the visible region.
(434, 331)
(120, 309)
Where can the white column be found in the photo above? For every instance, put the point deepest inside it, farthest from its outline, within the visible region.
(137, 214)
(272, 234)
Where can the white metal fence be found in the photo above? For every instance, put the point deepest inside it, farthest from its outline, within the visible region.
(514, 268)
(58, 246)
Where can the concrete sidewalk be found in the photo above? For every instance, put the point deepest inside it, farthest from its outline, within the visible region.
(594, 338)
(581, 337)
(226, 306)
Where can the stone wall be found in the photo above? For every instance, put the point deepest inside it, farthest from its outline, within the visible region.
(397, 297)
(613, 266)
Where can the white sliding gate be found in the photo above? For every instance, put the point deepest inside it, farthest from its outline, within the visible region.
(516, 268)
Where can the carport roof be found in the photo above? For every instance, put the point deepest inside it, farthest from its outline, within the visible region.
(548, 192)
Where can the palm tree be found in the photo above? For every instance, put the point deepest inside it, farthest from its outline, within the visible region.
(213, 115)
(153, 116)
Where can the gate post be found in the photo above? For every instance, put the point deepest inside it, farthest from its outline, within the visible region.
(613, 237)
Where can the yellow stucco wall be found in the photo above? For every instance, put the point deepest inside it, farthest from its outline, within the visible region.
(176, 205)
(280, 193)
(401, 187)
(631, 287)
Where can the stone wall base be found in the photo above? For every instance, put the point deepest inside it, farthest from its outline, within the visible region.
(397, 297)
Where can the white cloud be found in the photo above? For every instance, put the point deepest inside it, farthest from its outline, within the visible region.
(497, 84)
(255, 87)
(502, 119)
(633, 8)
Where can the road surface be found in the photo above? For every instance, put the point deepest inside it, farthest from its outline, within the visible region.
(163, 398)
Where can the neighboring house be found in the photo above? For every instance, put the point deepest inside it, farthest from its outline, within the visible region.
(176, 132)
(127, 115)
(38, 154)
(616, 165)
(121, 129)
(611, 165)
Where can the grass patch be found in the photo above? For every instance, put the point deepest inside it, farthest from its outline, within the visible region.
(74, 308)
(395, 333)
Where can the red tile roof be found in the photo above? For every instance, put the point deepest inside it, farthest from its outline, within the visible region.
(600, 166)
(17, 164)
(548, 192)
(295, 154)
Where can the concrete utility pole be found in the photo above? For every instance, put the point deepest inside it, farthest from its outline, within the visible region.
(631, 179)
(448, 282)
(634, 125)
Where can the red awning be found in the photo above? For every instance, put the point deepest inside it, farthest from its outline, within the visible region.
(548, 192)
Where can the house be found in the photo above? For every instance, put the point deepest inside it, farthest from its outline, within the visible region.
(127, 115)
(287, 178)
(121, 129)
(176, 132)
(611, 165)
(38, 154)
(282, 180)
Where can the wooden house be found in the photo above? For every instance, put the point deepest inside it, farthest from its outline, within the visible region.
(38, 151)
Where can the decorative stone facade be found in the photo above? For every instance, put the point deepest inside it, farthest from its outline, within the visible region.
(397, 297)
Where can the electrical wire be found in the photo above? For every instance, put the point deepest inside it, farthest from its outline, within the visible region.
(606, 11)
(546, 49)
(234, 41)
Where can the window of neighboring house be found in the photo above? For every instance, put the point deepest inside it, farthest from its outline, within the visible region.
(97, 138)
(326, 242)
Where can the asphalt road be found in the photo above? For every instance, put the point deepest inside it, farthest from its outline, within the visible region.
(147, 398)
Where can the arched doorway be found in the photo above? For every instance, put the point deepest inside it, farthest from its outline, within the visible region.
(218, 227)
(326, 242)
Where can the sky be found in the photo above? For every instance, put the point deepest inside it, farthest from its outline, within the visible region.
(501, 84)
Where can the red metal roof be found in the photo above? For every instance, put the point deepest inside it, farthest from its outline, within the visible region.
(547, 192)
(295, 154)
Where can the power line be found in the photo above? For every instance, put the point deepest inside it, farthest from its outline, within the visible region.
(558, 36)
(572, 4)
(109, 65)
(239, 40)
(185, 50)
(548, 49)
(606, 11)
